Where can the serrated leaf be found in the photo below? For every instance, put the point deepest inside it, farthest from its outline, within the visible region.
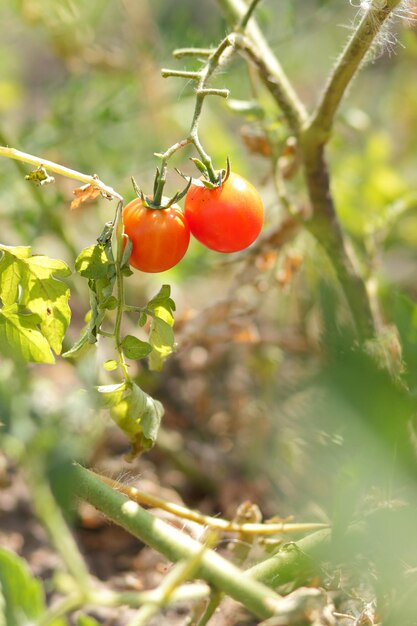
(20, 337)
(135, 412)
(22, 593)
(134, 348)
(32, 281)
(93, 262)
(161, 338)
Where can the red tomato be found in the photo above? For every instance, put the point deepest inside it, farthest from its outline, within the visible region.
(160, 237)
(227, 218)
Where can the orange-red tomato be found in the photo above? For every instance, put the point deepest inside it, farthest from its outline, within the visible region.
(160, 237)
(227, 218)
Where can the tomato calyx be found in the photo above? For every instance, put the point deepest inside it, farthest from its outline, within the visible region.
(205, 181)
(165, 203)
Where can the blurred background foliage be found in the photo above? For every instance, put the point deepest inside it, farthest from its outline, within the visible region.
(264, 389)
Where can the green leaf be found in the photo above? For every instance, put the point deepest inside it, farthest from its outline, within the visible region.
(162, 305)
(111, 365)
(126, 271)
(32, 282)
(134, 348)
(135, 412)
(93, 262)
(161, 338)
(143, 318)
(110, 303)
(21, 338)
(86, 620)
(22, 593)
(164, 314)
(163, 295)
(100, 300)
(81, 346)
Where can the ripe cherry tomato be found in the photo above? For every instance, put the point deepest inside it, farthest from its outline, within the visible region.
(160, 237)
(227, 218)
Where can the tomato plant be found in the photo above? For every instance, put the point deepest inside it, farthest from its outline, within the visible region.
(227, 218)
(160, 237)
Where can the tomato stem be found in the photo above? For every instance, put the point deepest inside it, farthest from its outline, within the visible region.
(215, 58)
(167, 73)
(246, 17)
(51, 166)
(201, 53)
(119, 232)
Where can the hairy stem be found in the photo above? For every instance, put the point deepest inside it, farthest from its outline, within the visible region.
(51, 517)
(313, 134)
(118, 229)
(212, 522)
(348, 64)
(11, 153)
(173, 544)
(325, 226)
(272, 72)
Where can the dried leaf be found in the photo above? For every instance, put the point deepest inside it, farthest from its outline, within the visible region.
(291, 264)
(86, 193)
(255, 139)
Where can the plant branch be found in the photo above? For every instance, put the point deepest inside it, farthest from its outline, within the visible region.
(118, 229)
(324, 225)
(213, 522)
(270, 70)
(11, 153)
(243, 23)
(175, 545)
(181, 572)
(348, 64)
(51, 517)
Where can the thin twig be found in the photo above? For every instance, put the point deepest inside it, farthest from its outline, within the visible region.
(12, 153)
(213, 522)
(182, 571)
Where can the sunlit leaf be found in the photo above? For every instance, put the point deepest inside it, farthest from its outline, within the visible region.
(110, 365)
(134, 348)
(20, 337)
(135, 412)
(32, 281)
(93, 262)
(161, 338)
